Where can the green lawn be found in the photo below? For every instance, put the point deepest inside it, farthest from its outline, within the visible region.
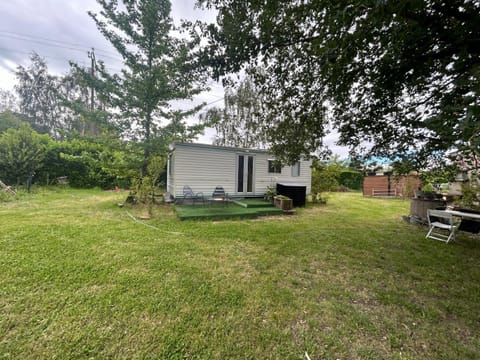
(80, 279)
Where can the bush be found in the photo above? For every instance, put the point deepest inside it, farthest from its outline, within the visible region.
(351, 179)
(470, 196)
(9, 121)
(332, 177)
(21, 154)
(324, 180)
(89, 164)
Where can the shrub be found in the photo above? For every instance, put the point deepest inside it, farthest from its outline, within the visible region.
(351, 179)
(21, 154)
(89, 164)
(9, 121)
(335, 177)
(324, 180)
(470, 196)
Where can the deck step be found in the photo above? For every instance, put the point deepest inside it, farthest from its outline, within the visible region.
(252, 203)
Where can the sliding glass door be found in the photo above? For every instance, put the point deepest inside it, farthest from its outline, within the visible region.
(245, 174)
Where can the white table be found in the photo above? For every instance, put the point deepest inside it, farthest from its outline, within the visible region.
(464, 215)
(470, 223)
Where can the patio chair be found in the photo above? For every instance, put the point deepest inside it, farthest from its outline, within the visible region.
(441, 225)
(219, 195)
(189, 194)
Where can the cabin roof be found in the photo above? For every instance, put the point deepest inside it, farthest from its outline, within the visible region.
(216, 147)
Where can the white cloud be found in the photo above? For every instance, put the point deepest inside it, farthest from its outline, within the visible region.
(7, 75)
(330, 141)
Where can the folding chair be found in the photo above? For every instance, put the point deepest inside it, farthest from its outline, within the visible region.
(189, 194)
(220, 195)
(441, 224)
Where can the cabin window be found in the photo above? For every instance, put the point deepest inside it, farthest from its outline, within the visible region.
(296, 169)
(274, 167)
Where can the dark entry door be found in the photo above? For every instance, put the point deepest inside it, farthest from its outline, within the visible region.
(245, 174)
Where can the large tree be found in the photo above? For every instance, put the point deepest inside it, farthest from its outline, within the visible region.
(38, 97)
(50, 103)
(237, 123)
(8, 120)
(158, 67)
(397, 75)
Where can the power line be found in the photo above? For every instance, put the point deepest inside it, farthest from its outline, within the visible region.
(56, 58)
(82, 46)
(45, 43)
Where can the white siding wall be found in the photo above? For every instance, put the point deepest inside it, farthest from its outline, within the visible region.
(204, 167)
(264, 178)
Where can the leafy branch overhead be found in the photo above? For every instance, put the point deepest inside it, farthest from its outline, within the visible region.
(397, 76)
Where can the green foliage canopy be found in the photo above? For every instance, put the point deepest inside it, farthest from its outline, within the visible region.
(9, 121)
(99, 162)
(330, 175)
(401, 75)
(21, 153)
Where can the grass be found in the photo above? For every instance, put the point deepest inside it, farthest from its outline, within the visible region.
(350, 280)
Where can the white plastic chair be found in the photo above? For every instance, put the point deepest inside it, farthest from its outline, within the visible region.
(441, 224)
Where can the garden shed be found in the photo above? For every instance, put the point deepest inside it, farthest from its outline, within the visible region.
(242, 172)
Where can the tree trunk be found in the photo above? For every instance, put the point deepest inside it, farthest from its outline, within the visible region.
(146, 149)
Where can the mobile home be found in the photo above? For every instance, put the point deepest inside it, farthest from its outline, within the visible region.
(241, 172)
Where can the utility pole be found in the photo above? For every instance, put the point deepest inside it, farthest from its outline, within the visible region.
(91, 55)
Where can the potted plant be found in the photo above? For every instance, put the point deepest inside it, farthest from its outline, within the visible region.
(270, 193)
(283, 202)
